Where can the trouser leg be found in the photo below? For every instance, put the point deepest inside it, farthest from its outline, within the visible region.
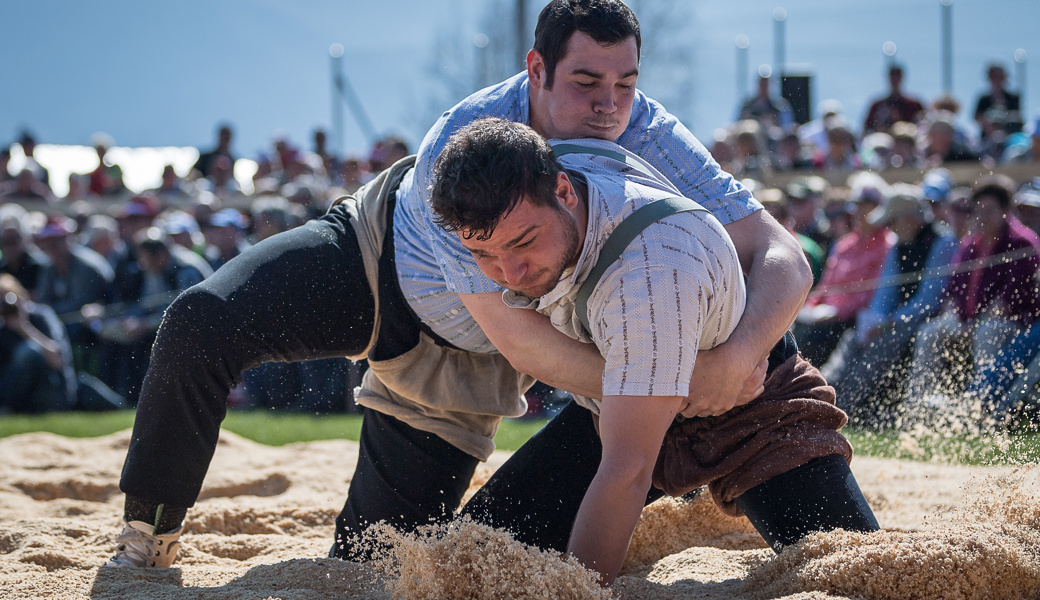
(536, 494)
(405, 477)
(299, 295)
(820, 495)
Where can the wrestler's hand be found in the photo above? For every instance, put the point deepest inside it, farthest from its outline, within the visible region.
(721, 380)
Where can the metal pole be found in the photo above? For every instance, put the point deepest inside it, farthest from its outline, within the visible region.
(522, 45)
(889, 49)
(780, 49)
(742, 43)
(336, 54)
(480, 43)
(1020, 76)
(947, 45)
(351, 98)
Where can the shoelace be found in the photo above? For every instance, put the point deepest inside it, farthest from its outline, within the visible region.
(133, 549)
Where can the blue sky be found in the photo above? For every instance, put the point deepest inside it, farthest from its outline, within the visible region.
(155, 74)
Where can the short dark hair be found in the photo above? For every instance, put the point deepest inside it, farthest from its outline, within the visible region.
(999, 187)
(608, 22)
(484, 171)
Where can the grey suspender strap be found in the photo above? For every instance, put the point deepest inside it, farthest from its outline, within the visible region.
(562, 149)
(620, 238)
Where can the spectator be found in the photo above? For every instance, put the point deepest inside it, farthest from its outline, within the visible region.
(904, 146)
(942, 145)
(856, 258)
(326, 159)
(107, 178)
(814, 133)
(893, 108)
(1027, 208)
(841, 154)
(26, 187)
(221, 179)
(145, 292)
(988, 302)
(865, 366)
(36, 373)
(28, 143)
(100, 233)
(386, 152)
(805, 197)
(958, 212)
(351, 174)
(18, 256)
(877, 150)
(272, 215)
(767, 110)
(189, 245)
(225, 237)
(79, 189)
(751, 158)
(75, 275)
(790, 155)
(204, 165)
(183, 230)
(935, 187)
(174, 191)
(74, 283)
(997, 112)
(136, 216)
(5, 161)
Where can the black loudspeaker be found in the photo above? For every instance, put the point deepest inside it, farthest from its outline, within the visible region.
(797, 90)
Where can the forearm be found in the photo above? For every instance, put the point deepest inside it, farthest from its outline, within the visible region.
(632, 429)
(596, 545)
(533, 346)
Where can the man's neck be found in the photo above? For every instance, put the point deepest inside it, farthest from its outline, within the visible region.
(581, 211)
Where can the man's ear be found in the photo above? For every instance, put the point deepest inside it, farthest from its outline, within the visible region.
(535, 69)
(565, 191)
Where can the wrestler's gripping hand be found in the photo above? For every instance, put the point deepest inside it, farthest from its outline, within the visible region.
(722, 379)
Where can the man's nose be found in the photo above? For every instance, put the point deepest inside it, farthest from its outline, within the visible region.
(605, 102)
(513, 270)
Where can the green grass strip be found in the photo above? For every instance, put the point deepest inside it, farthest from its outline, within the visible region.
(279, 428)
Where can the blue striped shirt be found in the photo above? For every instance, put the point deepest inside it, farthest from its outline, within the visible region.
(432, 265)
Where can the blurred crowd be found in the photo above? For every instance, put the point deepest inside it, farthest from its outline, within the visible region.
(925, 292)
(85, 279)
(925, 296)
(899, 130)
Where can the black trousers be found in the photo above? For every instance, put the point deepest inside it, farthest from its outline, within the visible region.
(409, 478)
(302, 295)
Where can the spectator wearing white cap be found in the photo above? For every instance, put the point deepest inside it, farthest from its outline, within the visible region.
(1027, 208)
(854, 258)
(225, 236)
(865, 368)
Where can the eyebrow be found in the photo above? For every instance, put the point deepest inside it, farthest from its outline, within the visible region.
(595, 75)
(511, 243)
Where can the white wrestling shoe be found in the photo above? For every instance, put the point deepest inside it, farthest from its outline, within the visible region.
(139, 547)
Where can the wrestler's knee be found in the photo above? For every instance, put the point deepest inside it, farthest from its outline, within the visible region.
(197, 327)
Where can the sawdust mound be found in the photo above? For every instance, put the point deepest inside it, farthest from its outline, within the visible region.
(672, 525)
(987, 550)
(467, 560)
(267, 514)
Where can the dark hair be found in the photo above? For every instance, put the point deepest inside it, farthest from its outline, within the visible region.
(999, 187)
(484, 171)
(608, 22)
